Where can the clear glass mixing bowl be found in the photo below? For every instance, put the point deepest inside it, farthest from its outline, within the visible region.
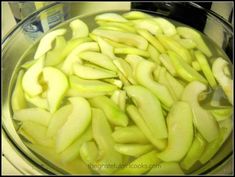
(17, 42)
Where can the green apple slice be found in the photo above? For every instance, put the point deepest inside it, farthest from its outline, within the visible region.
(171, 44)
(194, 153)
(38, 133)
(134, 150)
(166, 61)
(184, 70)
(196, 66)
(123, 37)
(139, 121)
(154, 54)
(98, 59)
(35, 115)
(144, 77)
(225, 82)
(202, 119)
(222, 114)
(133, 61)
(37, 101)
(130, 134)
(87, 72)
(131, 50)
(143, 164)
(45, 43)
(73, 151)
(114, 114)
(152, 40)
(150, 109)
(196, 37)
(57, 86)
(18, 100)
(167, 27)
(89, 152)
(73, 58)
(122, 26)
(110, 17)
(30, 82)
(79, 29)
(102, 136)
(105, 48)
(76, 124)
(179, 124)
(133, 15)
(115, 82)
(58, 119)
(166, 168)
(149, 25)
(204, 65)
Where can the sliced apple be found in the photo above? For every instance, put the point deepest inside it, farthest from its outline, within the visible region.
(166, 61)
(89, 152)
(46, 42)
(134, 150)
(144, 77)
(76, 124)
(35, 115)
(58, 119)
(105, 47)
(133, 15)
(18, 100)
(114, 114)
(73, 151)
(130, 134)
(194, 153)
(149, 25)
(79, 29)
(202, 119)
(37, 101)
(126, 27)
(131, 50)
(98, 59)
(154, 54)
(110, 17)
(57, 86)
(72, 58)
(139, 121)
(167, 27)
(179, 124)
(30, 79)
(87, 72)
(140, 165)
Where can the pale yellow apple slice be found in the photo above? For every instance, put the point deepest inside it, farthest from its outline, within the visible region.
(79, 29)
(35, 115)
(179, 124)
(46, 42)
(133, 15)
(167, 27)
(76, 124)
(57, 86)
(110, 17)
(18, 100)
(30, 81)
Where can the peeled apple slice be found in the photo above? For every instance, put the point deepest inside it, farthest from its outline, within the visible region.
(202, 119)
(154, 54)
(143, 75)
(167, 27)
(112, 17)
(106, 48)
(133, 15)
(45, 43)
(130, 134)
(58, 119)
(193, 34)
(194, 153)
(37, 101)
(139, 121)
(225, 82)
(57, 86)
(18, 100)
(150, 108)
(131, 50)
(134, 150)
(179, 124)
(149, 25)
(123, 37)
(87, 72)
(98, 59)
(35, 115)
(79, 28)
(114, 114)
(76, 124)
(30, 82)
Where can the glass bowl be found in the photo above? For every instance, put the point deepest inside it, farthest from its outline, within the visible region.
(18, 41)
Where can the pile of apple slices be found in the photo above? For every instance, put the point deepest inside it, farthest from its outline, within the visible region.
(124, 97)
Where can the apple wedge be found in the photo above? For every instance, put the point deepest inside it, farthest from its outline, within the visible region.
(57, 86)
(179, 124)
(18, 100)
(30, 79)
(79, 29)
(76, 124)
